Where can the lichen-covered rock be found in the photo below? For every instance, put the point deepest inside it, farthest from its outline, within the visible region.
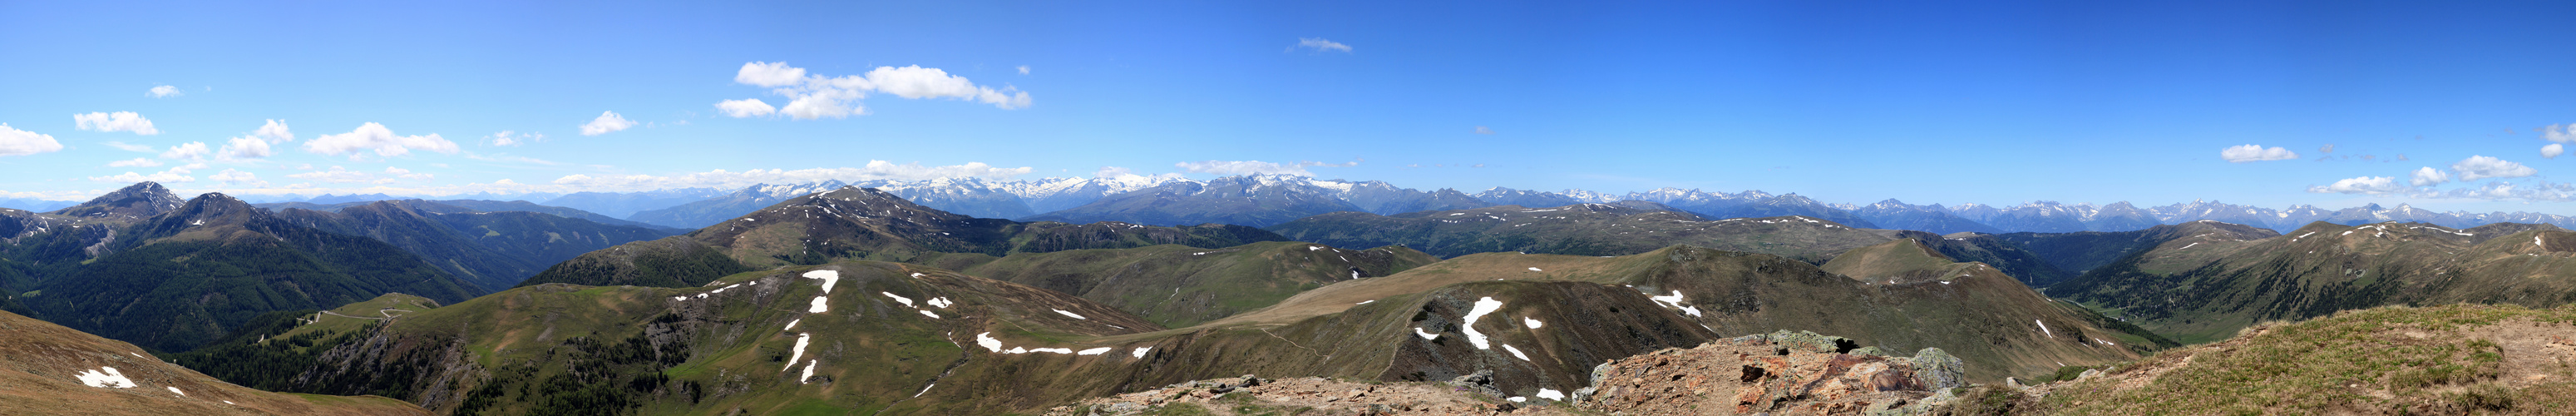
(1939, 369)
(1781, 373)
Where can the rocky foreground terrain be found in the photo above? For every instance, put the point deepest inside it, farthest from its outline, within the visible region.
(1782, 373)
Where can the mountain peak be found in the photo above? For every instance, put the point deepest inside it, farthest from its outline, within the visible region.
(144, 199)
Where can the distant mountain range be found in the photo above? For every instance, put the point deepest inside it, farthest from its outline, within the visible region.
(1266, 200)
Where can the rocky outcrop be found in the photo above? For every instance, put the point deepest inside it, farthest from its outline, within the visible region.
(1781, 373)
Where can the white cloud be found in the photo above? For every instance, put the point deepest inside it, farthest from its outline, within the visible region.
(188, 151)
(2561, 133)
(15, 142)
(140, 162)
(769, 74)
(813, 97)
(1483, 130)
(118, 121)
(2552, 150)
(164, 91)
(1024, 69)
(2328, 148)
(743, 108)
(2255, 153)
(508, 158)
(335, 175)
(245, 148)
(275, 132)
(2428, 176)
(1247, 167)
(608, 121)
(875, 169)
(2482, 167)
(1320, 45)
(372, 136)
(2362, 185)
(238, 178)
(407, 174)
(512, 138)
(131, 147)
(174, 175)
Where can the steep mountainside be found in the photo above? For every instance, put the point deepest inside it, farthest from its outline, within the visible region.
(857, 223)
(492, 250)
(2204, 287)
(185, 277)
(1252, 200)
(1586, 229)
(1175, 285)
(49, 369)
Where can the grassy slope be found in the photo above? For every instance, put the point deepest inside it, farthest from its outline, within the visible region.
(1985, 318)
(39, 363)
(1588, 229)
(2202, 289)
(2453, 359)
(1177, 285)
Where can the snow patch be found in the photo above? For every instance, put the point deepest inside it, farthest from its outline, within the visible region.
(1094, 351)
(1533, 323)
(821, 305)
(932, 315)
(1484, 306)
(1313, 248)
(1417, 331)
(986, 340)
(1518, 399)
(176, 390)
(1516, 352)
(1534, 269)
(679, 298)
(1675, 301)
(925, 389)
(1365, 302)
(108, 378)
(907, 302)
(792, 324)
(2043, 328)
(1140, 351)
(1071, 314)
(1551, 394)
(829, 277)
(809, 371)
(799, 352)
(941, 302)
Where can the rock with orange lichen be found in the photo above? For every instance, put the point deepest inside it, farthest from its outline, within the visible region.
(1782, 373)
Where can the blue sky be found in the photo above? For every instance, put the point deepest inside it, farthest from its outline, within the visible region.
(1994, 103)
